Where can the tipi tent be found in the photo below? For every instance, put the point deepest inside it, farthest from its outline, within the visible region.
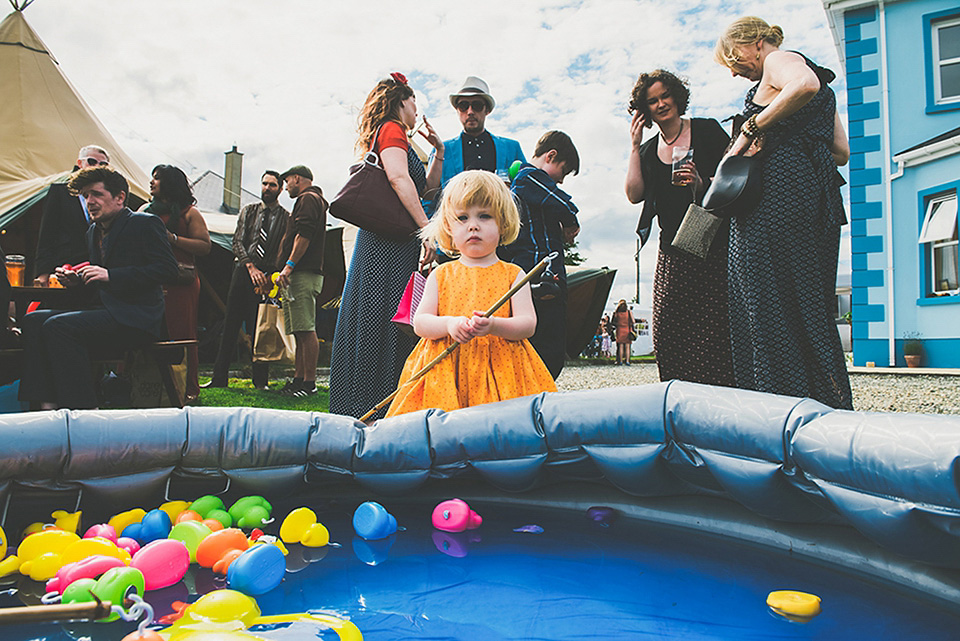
(43, 122)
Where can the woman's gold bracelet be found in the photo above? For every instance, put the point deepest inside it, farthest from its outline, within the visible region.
(750, 128)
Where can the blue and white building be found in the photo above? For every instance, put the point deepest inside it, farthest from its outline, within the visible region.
(902, 64)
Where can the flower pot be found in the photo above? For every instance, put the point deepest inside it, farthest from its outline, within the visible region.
(913, 360)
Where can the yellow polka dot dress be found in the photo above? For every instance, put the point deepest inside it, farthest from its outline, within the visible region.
(486, 369)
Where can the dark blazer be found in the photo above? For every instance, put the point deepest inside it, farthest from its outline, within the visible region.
(63, 229)
(138, 257)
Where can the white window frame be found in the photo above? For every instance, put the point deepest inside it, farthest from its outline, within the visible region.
(938, 96)
(941, 215)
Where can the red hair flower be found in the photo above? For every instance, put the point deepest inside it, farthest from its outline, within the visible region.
(399, 77)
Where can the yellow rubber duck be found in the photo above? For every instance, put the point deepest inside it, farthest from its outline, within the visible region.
(799, 607)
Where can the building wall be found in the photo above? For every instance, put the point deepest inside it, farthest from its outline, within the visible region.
(937, 321)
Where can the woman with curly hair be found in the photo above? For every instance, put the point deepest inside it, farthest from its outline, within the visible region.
(368, 350)
(690, 331)
(173, 202)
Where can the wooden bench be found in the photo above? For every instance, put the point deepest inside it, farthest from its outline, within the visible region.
(165, 354)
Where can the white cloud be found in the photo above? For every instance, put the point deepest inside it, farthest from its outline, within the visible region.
(183, 80)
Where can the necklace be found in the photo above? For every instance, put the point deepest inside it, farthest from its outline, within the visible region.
(670, 142)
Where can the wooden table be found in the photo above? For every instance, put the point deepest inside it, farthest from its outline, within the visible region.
(49, 297)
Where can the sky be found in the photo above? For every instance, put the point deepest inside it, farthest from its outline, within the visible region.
(182, 81)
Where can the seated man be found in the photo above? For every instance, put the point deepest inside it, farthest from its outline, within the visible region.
(130, 259)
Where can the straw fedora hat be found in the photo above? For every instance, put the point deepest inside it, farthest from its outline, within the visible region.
(474, 87)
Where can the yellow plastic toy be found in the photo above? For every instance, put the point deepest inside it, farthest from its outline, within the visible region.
(3, 543)
(301, 526)
(227, 614)
(66, 521)
(173, 509)
(800, 607)
(122, 520)
(40, 553)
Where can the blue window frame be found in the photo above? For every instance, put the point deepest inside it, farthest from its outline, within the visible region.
(941, 41)
(939, 246)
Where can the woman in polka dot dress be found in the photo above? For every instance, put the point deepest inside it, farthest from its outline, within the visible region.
(495, 361)
(369, 350)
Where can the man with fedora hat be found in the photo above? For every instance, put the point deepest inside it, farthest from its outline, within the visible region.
(475, 147)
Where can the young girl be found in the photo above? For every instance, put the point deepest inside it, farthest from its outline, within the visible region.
(495, 360)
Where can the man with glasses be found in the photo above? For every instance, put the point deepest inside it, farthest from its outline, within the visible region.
(477, 148)
(256, 241)
(64, 223)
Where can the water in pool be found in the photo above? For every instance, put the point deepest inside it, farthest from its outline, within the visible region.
(574, 580)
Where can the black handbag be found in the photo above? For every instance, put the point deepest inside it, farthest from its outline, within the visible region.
(736, 188)
(368, 200)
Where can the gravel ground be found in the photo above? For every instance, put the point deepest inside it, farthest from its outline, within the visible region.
(871, 392)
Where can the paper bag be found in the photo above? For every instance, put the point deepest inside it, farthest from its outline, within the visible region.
(270, 343)
(409, 302)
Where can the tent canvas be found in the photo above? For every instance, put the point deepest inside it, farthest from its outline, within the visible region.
(43, 122)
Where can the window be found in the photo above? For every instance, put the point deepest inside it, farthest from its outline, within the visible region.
(945, 41)
(939, 234)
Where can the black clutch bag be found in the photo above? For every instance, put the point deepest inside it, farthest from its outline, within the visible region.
(736, 188)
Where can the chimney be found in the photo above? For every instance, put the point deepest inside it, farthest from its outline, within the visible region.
(231, 180)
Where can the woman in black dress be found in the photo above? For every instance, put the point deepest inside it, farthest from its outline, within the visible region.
(369, 350)
(690, 332)
(783, 254)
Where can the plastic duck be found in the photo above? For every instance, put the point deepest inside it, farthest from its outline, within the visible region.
(371, 521)
(455, 515)
(799, 607)
(251, 512)
(301, 527)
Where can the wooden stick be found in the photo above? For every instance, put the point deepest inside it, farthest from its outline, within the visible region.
(539, 267)
(91, 610)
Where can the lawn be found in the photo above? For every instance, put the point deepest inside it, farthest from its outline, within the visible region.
(242, 394)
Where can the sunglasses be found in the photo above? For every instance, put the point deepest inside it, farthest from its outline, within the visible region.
(93, 162)
(478, 105)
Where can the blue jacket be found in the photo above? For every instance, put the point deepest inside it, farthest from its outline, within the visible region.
(507, 151)
(545, 210)
(139, 260)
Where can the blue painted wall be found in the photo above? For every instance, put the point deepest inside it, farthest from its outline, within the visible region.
(937, 321)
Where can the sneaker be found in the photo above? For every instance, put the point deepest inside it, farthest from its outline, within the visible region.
(290, 388)
(305, 392)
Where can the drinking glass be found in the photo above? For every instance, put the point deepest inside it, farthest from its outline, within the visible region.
(681, 157)
(15, 264)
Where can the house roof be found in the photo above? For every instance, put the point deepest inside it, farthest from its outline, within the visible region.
(208, 190)
(947, 135)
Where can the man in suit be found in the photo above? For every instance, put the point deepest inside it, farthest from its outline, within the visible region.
(130, 258)
(64, 223)
(256, 242)
(475, 147)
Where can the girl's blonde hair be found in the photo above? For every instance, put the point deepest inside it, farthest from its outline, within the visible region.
(474, 188)
(747, 30)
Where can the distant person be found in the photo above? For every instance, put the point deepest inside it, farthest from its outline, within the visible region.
(300, 261)
(256, 244)
(65, 220)
(623, 324)
(606, 344)
(691, 334)
(494, 362)
(369, 350)
(784, 253)
(173, 202)
(130, 260)
(548, 218)
(475, 147)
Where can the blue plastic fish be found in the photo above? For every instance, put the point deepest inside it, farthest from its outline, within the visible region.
(532, 529)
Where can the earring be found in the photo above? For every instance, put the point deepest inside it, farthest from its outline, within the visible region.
(758, 55)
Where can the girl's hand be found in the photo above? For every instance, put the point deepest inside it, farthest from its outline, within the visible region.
(480, 324)
(459, 329)
(428, 255)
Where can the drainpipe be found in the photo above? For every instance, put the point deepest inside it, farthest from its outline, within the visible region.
(887, 179)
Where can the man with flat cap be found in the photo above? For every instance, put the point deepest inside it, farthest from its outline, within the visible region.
(477, 148)
(300, 261)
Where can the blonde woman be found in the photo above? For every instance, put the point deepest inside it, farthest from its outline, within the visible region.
(783, 254)
(369, 350)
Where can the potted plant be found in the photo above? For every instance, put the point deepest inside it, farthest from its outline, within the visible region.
(913, 350)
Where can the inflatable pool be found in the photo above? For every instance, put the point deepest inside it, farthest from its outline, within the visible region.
(875, 493)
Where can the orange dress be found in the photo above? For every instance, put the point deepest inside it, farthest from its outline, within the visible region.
(486, 369)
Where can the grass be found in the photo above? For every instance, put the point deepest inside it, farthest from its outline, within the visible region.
(242, 394)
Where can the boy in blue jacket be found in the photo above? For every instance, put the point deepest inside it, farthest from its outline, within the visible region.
(548, 217)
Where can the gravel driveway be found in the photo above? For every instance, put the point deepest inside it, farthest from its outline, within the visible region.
(871, 392)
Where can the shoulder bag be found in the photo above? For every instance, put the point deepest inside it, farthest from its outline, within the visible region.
(368, 200)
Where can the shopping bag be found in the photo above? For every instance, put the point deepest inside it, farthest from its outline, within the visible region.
(271, 344)
(409, 302)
